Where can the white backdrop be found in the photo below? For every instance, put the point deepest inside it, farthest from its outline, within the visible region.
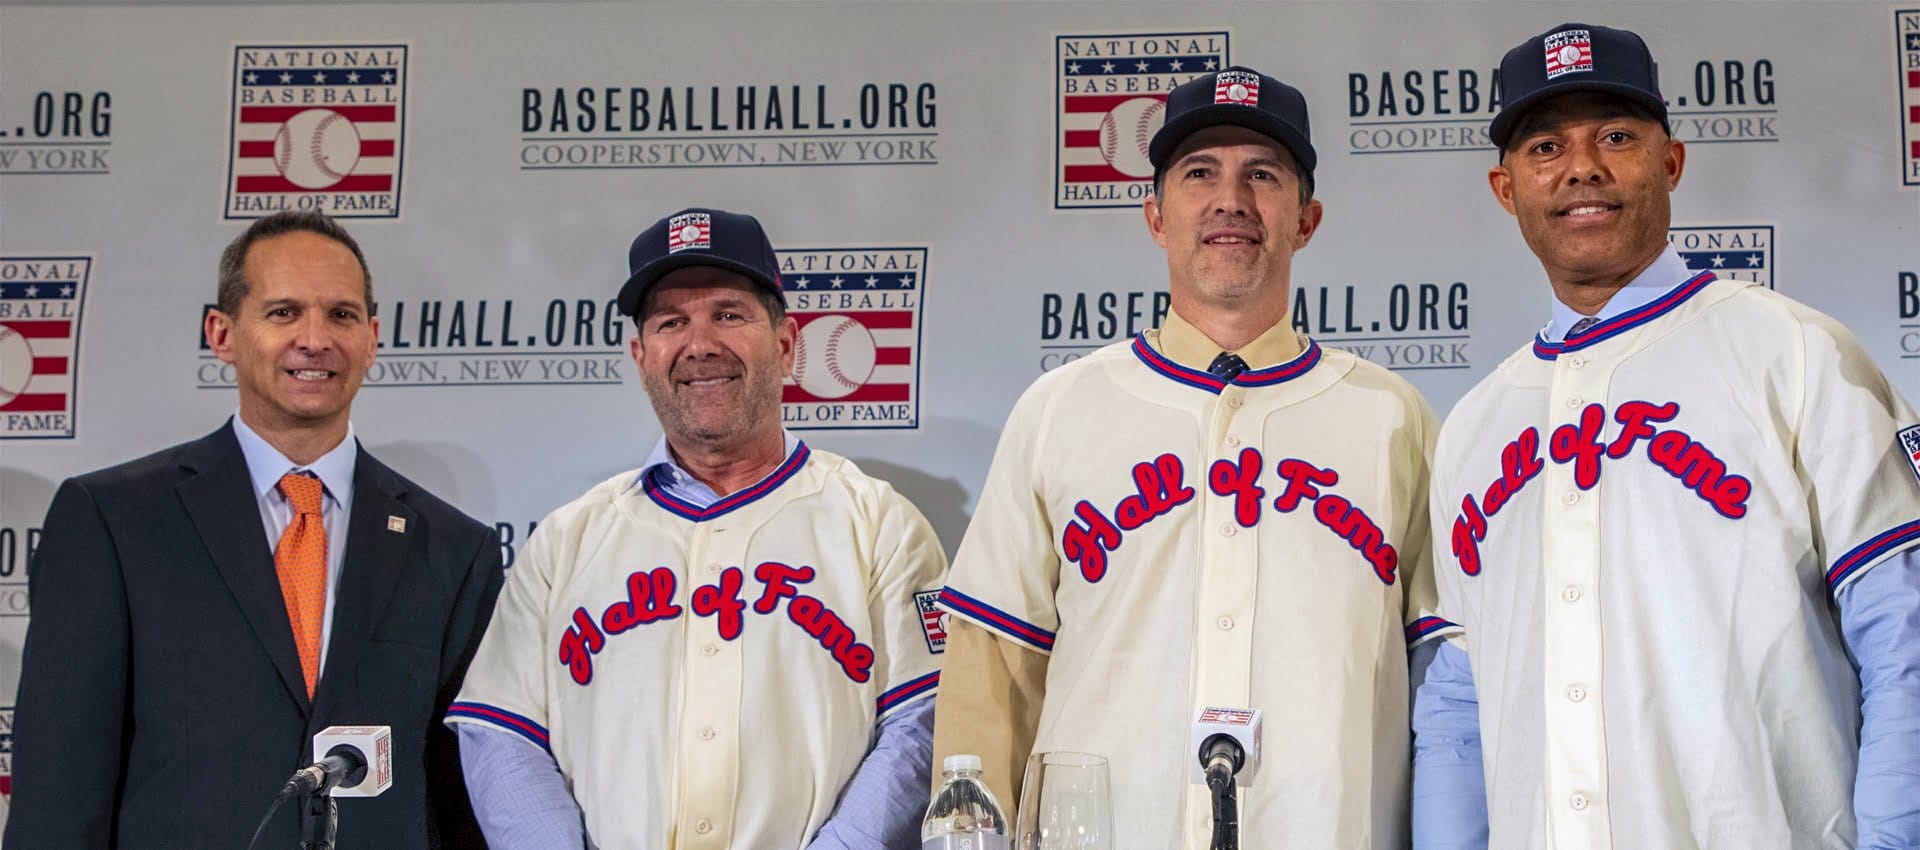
(937, 172)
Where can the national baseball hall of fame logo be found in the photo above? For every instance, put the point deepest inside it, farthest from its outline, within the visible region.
(40, 301)
(6, 752)
(1734, 252)
(1112, 98)
(856, 364)
(317, 127)
(1906, 28)
(933, 620)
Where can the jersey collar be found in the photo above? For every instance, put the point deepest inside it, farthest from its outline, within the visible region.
(1609, 328)
(796, 458)
(1299, 365)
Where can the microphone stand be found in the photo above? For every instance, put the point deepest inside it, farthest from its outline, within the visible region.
(321, 822)
(1226, 808)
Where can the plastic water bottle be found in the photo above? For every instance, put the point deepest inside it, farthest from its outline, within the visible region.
(964, 815)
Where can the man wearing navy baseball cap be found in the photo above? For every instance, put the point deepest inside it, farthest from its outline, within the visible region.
(641, 685)
(1224, 591)
(1678, 531)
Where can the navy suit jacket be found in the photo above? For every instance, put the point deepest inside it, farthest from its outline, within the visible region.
(161, 701)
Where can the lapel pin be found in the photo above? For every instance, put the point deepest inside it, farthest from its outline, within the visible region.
(397, 524)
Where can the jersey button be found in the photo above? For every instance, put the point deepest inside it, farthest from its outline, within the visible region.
(1572, 497)
(1575, 693)
(1225, 624)
(1577, 361)
(703, 826)
(1573, 402)
(1228, 529)
(713, 569)
(1232, 441)
(1579, 802)
(1570, 593)
(710, 650)
(1235, 401)
(707, 733)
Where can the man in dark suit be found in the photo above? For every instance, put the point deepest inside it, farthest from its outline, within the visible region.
(200, 613)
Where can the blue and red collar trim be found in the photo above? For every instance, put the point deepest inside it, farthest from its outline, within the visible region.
(1624, 322)
(1299, 365)
(733, 502)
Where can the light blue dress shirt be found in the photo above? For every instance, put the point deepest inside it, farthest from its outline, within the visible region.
(1879, 619)
(266, 466)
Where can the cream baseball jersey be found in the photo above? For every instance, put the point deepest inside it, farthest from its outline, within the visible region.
(1641, 530)
(1176, 541)
(710, 678)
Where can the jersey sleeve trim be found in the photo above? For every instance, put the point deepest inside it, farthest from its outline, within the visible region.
(1429, 628)
(996, 619)
(502, 718)
(907, 693)
(1855, 563)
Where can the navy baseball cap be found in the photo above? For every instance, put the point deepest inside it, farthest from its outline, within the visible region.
(1576, 58)
(1242, 97)
(699, 237)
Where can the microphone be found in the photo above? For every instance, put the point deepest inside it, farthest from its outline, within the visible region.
(1227, 741)
(1221, 754)
(349, 761)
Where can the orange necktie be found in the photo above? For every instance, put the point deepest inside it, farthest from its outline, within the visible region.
(301, 562)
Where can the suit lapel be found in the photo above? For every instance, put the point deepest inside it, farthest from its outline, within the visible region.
(219, 497)
(376, 555)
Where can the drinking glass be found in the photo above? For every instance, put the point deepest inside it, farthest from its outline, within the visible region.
(1065, 804)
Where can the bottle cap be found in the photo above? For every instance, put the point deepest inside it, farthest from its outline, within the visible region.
(962, 762)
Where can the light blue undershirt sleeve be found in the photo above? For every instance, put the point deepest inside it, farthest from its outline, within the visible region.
(1449, 785)
(886, 799)
(519, 796)
(1880, 619)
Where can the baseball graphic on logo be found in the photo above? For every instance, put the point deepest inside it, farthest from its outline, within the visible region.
(1570, 55)
(316, 148)
(833, 357)
(1127, 130)
(16, 364)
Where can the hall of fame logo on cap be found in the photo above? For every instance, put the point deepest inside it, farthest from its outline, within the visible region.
(692, 230)
(317, 127)
(1112, 98)
(1734, 252)
(40, 301)
(1906, 28)
(1568, 52)
(1238, 88)
(857, 361)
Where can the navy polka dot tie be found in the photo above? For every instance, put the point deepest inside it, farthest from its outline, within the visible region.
(1227, 366)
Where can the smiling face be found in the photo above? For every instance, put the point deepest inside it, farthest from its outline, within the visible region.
(712, 358)
(301, 339)
(1589, 179)
(1230, 216)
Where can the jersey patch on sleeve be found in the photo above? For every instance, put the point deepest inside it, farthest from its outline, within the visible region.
(933, 620)
(1910, 446)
